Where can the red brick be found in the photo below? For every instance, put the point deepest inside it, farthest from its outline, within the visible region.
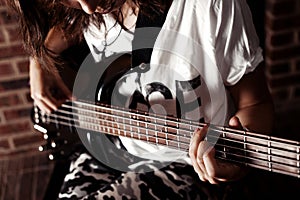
(44, 160)
(19, 151)
(6, 69)
(4, 145)
(285, 81)
(3, 3)
(283, 39)
(14, 165)
(33, 162)
(15, 128)
(17, 113)
(28, 97)
(283, 53)
(296, 93)
(11, 51)
(8, 18)
(44, 176)
(10, 100)
(23, 66)
(281, 94)
(2, 38)
(14, 34)
(11, 189)
(28, 140)
(283, 23)
(14, 84)
(285, 7)
(26, 189)
(280, 68)
(298, 65)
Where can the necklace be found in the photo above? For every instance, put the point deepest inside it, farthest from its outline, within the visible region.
(104, 42)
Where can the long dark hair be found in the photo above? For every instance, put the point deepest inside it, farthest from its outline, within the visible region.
(36, 17)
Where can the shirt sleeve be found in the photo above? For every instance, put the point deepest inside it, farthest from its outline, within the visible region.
(236, 41)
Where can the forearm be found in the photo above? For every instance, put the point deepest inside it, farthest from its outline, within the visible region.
(258, 117)
(253, 101)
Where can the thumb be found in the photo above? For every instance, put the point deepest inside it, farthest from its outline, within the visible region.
(234, 122)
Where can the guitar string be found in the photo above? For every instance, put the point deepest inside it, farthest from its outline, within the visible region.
(162, 135)
(161, 130)
(181, 123)
(179, 141)
(167, 120)
(271, 164)
(270, 148)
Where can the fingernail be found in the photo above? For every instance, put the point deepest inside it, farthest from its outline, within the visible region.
(197, 129)
(201, 178)
(205, 127)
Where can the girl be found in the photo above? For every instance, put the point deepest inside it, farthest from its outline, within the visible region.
(204, 64)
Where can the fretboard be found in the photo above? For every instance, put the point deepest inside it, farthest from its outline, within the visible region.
(244, 147)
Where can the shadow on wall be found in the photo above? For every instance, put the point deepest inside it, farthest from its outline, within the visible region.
(286, 119)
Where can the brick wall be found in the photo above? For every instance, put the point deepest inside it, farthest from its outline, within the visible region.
(282, 44)
(283, 51)
(16, 133)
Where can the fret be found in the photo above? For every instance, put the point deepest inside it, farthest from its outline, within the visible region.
(113, 130)
(124, 129)
(139, 130)
(147, 129)
(191, 131)
(165, 122)
(126, 134)
(118, 128)
(269, 155)
(178, 140)
(298, 159)
(245, 145)
(166, 130)
(147, 135)
(155, 128)
(167, 139)
(130, 127)
(137, 123)
(224, 137)
(177, 133)
(156, 136)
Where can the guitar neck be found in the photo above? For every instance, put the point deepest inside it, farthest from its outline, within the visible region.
(244, 147)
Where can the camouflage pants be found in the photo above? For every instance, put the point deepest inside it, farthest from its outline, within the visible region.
(90, 179)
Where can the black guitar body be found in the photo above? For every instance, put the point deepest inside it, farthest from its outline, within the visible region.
(105, 148)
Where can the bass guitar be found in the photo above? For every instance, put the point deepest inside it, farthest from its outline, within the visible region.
(247, 148)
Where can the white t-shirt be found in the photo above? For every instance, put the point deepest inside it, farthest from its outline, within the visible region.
(203, 46)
